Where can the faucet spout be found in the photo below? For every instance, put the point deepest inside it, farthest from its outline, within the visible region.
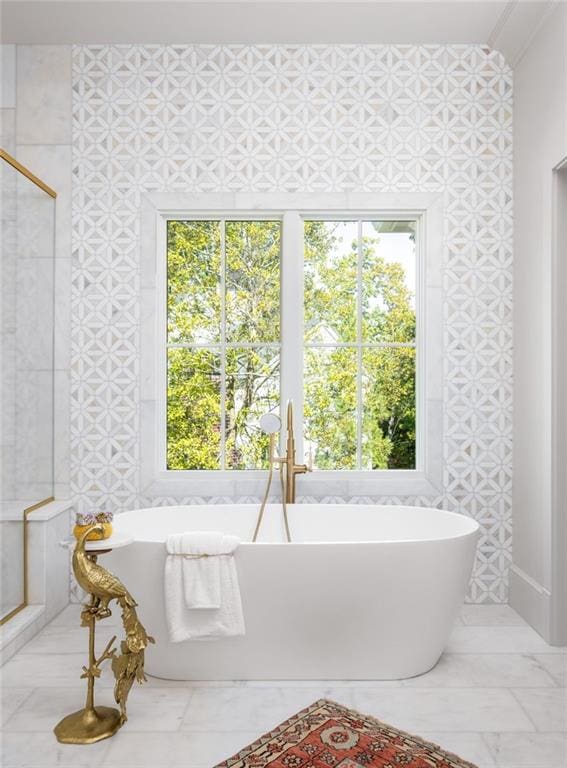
(291, 468)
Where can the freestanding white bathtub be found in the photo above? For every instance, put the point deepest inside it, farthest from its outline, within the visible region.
(362, 592)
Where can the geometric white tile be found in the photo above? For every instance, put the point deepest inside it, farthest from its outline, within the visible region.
(309, 118)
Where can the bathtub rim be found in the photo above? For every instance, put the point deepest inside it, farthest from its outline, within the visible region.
(473, 526)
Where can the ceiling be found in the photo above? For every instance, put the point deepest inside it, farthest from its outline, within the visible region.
(504, 26)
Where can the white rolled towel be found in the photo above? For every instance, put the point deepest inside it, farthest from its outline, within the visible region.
(202, 595)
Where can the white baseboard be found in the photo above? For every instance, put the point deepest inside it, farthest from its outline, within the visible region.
(531, 601)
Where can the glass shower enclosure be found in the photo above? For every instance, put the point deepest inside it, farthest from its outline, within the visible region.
(27, 273)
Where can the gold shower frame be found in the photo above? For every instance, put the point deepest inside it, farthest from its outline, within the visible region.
(25, 602)
(27, 173)
(4, 619)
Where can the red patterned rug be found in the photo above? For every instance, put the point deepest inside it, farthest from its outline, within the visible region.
(327, 735)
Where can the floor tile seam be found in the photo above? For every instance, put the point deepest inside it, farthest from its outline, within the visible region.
(62, 765)
(329, 691)
(468, 625)
(493, 753)
(504, 687)
(53, 653)
(402, 686)
(20, 705)
(71, 685)
(524, 710)
(319, 685)
(528, 653)
(185, 708)
(480, 734)
(51, 630)
(556, 680)
(112, 764)
(423, 732)
(543, 687)
(452, 652)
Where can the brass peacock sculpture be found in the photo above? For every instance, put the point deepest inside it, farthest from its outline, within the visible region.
(96, 580)
(129, 666)
(103, 587)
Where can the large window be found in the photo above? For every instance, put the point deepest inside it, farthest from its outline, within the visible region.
(346, 334)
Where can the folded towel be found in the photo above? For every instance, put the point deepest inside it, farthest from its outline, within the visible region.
(200, 574)
(202, 596)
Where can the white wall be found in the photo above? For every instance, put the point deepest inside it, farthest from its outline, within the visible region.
(558, 630)
(540, 143)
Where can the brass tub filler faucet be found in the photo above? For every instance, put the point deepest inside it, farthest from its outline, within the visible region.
(271, 424)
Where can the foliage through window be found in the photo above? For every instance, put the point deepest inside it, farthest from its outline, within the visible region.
(225, 337)
(223, 341)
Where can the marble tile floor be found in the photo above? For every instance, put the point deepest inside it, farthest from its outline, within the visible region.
(497, 698)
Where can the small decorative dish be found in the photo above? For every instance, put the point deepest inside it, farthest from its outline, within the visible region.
(84, 521)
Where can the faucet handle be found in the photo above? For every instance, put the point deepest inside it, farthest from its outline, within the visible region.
(309, 464)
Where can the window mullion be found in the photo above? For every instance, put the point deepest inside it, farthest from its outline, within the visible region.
(292, 321)
(419, 345)
(163, 336)
(359, 350)
(223, 346)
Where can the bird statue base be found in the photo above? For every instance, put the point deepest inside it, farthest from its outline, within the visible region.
(93, 724)
(88, 726)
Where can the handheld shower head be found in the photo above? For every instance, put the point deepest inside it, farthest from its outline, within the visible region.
(270, 423)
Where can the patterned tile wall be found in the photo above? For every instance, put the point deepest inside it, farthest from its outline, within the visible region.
(286, 119)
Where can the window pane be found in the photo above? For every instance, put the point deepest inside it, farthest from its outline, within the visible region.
(193, 409)
(330, 407)
(252, 389)
(193, 281)
(388, 422)
(388, 280)
(331, 256)
(253, 281)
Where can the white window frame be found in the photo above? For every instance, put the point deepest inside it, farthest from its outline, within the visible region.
(292, 210)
